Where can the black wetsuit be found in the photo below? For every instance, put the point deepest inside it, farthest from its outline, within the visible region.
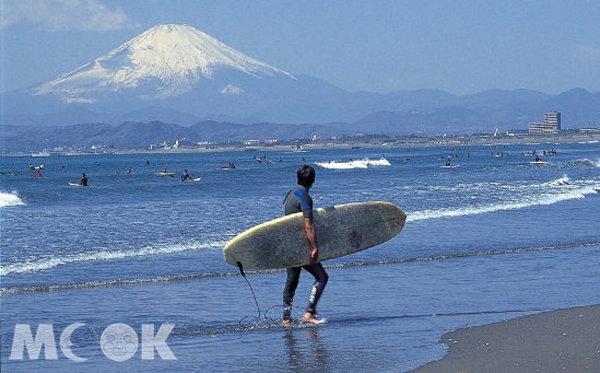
(298, 200)
(83, 181)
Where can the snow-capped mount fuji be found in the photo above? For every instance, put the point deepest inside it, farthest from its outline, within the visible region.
(178, 74)
(163, 62)
(171, 72)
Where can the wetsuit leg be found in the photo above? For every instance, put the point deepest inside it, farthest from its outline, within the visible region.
(291, 283)
(321, 278)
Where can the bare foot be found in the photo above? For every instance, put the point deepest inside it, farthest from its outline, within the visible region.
(311, 319)
(286, 323)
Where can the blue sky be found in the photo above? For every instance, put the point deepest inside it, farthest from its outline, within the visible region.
(380, 46)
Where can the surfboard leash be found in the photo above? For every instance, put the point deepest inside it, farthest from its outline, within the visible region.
(241, 268)
(257, 320)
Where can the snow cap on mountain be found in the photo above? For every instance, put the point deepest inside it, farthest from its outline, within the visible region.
(167, 59)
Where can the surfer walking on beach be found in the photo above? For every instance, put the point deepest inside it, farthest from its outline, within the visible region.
(298, 200)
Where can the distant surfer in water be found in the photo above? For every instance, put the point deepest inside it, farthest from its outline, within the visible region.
(84, 180)
(448, 162)
(186, 176)
(298, 200)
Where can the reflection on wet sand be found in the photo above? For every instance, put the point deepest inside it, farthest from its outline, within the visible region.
(306, 350)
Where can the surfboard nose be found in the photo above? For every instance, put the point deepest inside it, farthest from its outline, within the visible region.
(391, 215)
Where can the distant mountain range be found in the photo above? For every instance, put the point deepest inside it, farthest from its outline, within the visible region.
(178, 74)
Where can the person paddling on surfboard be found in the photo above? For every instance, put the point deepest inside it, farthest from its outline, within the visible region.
(298, 200)
(185, 176)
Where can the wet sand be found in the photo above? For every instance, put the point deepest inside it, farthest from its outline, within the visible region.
(566, 340)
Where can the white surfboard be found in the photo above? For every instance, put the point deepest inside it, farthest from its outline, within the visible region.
(171, 174)
(453, 166)
(538, 162)
(341, 230)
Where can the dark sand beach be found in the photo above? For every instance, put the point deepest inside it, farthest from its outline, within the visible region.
(566, 340)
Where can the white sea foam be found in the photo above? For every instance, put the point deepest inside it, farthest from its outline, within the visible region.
(52, 262)
(10, 199)
(563, 181)
(542, 200)
(379, 162)
(343, 165)
(362, 163)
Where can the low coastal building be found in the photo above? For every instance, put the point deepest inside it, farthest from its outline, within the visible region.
(589, 131)
(516, 133)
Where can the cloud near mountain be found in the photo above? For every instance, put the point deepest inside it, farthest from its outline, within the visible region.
(62, 15)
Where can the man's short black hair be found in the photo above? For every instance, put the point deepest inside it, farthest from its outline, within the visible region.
(306, 175)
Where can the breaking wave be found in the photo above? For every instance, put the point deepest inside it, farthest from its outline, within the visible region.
(584, 162)
(361, 163)
(528, 201)
(564, 181)
(10, 199)
(43, 288)
(48, 263)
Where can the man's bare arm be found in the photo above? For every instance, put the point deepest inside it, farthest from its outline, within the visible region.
(311, 235)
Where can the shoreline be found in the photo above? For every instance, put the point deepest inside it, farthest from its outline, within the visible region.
(409, 143)
(561, 340)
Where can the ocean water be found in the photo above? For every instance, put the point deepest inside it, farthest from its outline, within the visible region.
(493, 239)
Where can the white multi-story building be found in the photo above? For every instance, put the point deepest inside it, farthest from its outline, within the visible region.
(550, 126)
(552, 118)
